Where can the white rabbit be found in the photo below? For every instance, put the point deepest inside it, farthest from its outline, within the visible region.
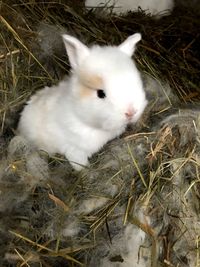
(155, 7)
(94, 105)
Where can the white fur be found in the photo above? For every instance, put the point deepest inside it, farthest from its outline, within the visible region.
(130, 247)
(122, 6)
(71, 229)
(91, 204)
(59, 120)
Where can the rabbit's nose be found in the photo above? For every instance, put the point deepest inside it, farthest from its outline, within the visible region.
(129, 113)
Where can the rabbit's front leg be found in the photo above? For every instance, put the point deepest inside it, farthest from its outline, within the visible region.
(77, 158)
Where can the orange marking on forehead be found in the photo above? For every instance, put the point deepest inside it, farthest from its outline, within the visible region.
(90, 82)
(85, 91)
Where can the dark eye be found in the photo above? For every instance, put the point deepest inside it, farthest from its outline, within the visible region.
(101, 93)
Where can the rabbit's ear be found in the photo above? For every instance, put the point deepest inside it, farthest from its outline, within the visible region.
(128, 46)
(76, 50)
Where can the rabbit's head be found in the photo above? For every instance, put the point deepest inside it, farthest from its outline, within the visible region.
(106, 87)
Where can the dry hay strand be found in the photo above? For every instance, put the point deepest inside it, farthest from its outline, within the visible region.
(141, 191)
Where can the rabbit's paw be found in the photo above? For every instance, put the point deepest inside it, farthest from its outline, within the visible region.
(78, 159)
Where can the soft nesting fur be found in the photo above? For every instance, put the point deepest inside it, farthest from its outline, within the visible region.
(70, 118)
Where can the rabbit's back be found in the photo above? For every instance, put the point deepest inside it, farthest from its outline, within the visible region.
(121, 6)
(38, 118)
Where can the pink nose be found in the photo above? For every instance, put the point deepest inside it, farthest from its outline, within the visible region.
(129, 113)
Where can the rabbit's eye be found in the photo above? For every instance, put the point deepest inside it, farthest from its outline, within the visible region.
(101, 93)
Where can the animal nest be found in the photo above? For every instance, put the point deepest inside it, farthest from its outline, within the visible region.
(138, 202)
